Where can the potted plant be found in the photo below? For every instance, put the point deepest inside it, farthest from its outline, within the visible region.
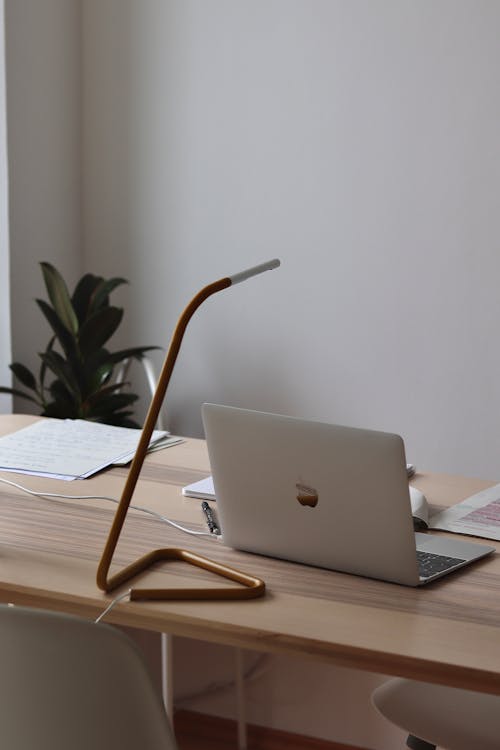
(77, 357)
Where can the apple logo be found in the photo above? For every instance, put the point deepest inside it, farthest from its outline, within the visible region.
(307, 496)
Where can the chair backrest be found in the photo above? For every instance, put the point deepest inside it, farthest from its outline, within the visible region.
(67, 683)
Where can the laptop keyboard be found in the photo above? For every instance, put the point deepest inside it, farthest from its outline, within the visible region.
(429, 564)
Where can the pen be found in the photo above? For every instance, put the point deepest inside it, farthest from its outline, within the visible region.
(210, 518)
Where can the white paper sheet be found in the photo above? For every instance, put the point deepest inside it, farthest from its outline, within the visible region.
(69, 449)
(478, 515)
(203, 489)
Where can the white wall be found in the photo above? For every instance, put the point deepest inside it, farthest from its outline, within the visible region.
(5, 338)
(357, 141)
(43, 54)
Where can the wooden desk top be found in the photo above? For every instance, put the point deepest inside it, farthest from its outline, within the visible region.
(445, 632)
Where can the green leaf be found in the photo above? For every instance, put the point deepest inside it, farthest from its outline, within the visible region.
(99, 378)
(61, 369)
(65, 337)
(17, 392)
(102, 394)
(113, 403)
(96, 359)
(43, 366)
(101, 296)
(59, 296)
(82, 295)
(24, 375)
(99, 328)
(96, 370)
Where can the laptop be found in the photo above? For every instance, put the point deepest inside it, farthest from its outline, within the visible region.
(320, 494)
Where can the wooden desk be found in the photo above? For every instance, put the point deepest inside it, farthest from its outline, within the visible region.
(446, 632)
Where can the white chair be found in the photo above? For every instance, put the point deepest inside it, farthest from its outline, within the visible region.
(71, 684)
(436, 715)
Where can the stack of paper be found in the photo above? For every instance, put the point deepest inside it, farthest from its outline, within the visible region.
(72, 448)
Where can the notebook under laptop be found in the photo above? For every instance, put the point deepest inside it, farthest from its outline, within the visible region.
(320, 494)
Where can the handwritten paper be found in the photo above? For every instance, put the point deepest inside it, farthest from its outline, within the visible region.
(71, 448)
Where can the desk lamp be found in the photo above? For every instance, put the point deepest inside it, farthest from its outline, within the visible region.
(250, 587)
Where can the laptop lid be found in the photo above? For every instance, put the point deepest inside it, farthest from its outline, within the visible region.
(326, 495)
(320, 494)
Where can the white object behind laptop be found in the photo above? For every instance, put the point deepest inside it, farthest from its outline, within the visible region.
(269, 468)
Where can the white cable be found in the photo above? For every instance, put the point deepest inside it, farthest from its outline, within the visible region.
(57, 496)
(111, 605)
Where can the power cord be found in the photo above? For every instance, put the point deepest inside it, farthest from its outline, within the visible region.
(54, 496)
(111, 605)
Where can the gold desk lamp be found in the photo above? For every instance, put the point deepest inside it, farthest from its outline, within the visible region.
(250, 587)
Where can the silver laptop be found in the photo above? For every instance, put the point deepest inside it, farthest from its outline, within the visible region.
(320, 494)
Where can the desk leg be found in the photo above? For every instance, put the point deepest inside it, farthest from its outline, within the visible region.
(167, 674)
(240, 699)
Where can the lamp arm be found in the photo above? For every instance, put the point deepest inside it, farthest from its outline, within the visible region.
(166, 373)
(251, 587)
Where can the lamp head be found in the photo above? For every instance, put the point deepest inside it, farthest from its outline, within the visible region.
(244, 275)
